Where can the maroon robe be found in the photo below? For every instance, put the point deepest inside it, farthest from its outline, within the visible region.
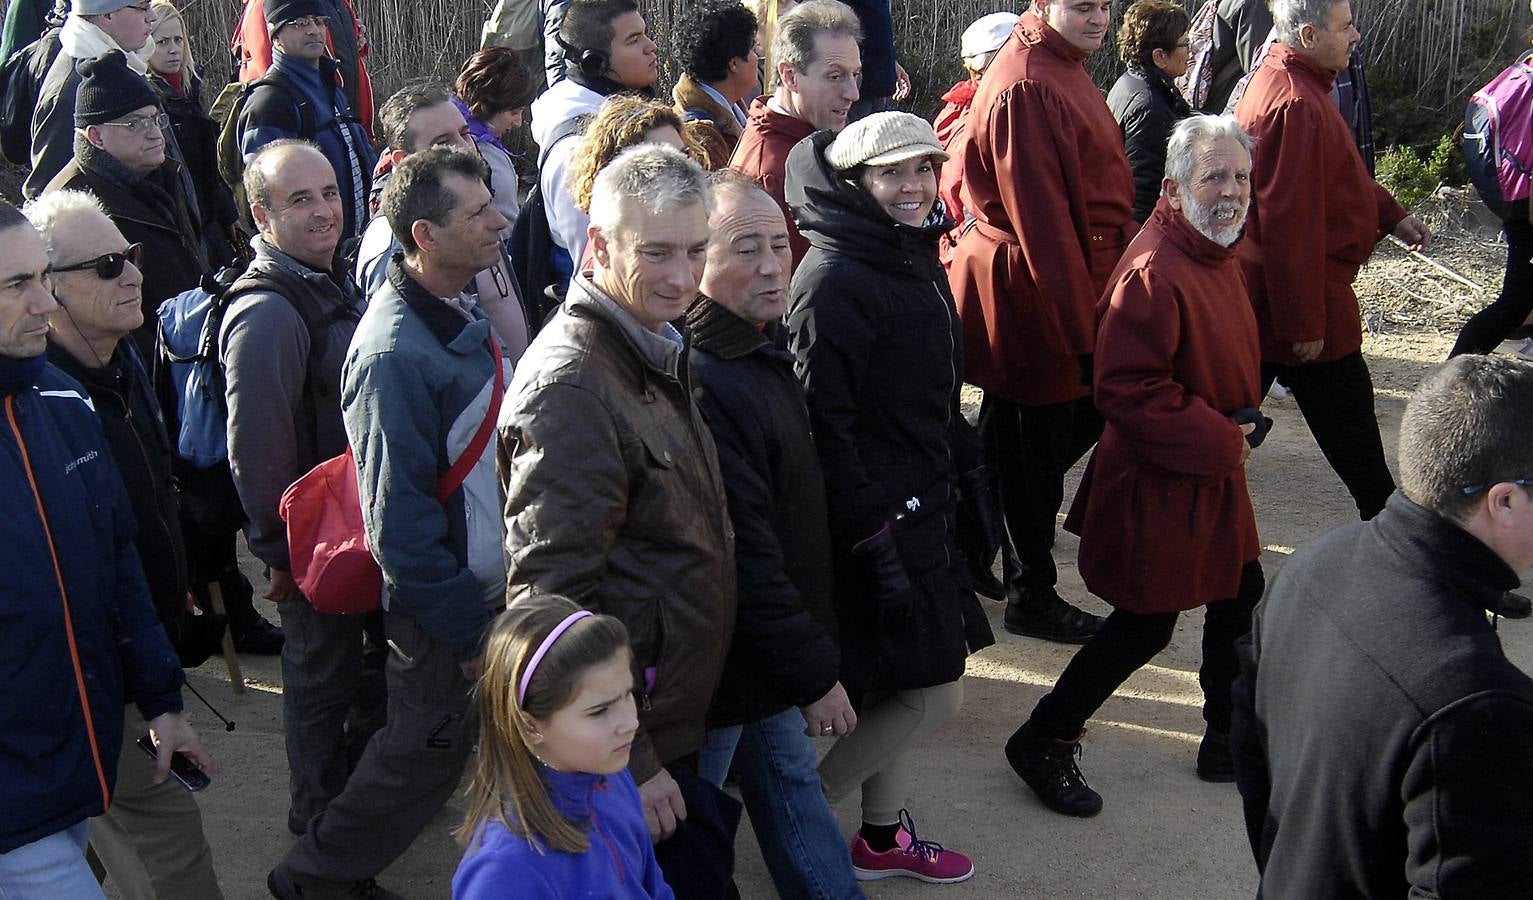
(1316, 213)
(1162, 511)
(1049, 186)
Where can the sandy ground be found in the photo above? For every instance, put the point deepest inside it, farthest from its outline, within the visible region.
(1163, 833)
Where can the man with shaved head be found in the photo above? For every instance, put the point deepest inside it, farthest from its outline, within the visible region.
(282, 343)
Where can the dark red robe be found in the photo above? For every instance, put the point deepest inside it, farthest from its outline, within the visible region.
(1047, 182)
(1316, 213)
(1162, 511)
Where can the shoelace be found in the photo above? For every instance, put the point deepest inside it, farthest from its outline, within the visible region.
(1069, 772)
(928, 849)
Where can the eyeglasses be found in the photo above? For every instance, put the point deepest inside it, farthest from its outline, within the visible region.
(308, 22)
(1476, 488)
(140, 124)
(107, 266)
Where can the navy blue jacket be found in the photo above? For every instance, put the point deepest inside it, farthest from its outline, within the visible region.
(78, 634)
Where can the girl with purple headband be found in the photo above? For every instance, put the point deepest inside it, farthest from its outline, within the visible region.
(552, 810)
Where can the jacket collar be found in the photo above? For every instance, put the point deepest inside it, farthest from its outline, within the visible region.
(455, 332)
(1282, 56)
(692, 94)
(1183, 234)
(763, 117)
(319, 81)
(571, 792)
(962, 93)
(658, 352)
(713, 327)
(1440, 546)
(325, 282)
(1034, 32)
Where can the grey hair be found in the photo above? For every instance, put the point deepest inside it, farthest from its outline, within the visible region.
(793, 42)
(1194, 131)
(1288, 16)
(732, 181)
(657, 177)
(1466, 425)
(257, 175)
(50, 213)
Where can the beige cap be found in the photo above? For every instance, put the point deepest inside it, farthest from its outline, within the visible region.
(882, 139)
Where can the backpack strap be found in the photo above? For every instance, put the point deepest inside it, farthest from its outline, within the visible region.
(568, 128)
(277, 80)
(455, 476)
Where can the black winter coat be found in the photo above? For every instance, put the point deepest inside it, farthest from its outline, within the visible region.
(782, 653)
(135, 431)
(152, 211)
(879, 348)
(197, 135)
(1146, 106)
(1381, 736)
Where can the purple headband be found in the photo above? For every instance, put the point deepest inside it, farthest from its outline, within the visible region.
(532, 665)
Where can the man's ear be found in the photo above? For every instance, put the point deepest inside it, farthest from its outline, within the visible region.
(259, 214)
(787, 76)
(600, 251)
(421, 230)
(1172, 192)
(93, 136)
(1307, 35)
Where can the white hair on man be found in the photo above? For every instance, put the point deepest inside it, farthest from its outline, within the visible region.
(657, 177)
(1288, 16)
(1222, 220)
(52, 212)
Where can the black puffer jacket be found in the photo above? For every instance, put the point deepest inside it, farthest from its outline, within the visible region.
(1146, 105)
(879, 350)
(782, 653)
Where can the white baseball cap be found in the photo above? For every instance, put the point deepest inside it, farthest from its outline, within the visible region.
(986, 34)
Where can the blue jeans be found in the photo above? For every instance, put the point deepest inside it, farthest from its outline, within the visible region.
(779, 781)
(49, 868)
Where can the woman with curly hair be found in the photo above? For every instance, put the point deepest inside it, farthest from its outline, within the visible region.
(1153, 43)
(492, 90)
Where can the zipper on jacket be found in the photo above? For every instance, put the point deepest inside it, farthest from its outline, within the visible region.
(957, 386)
(617, 859)
(176, 549)
(69, 628)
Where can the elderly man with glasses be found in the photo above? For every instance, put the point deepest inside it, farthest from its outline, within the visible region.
(150, 841)
(120, 158)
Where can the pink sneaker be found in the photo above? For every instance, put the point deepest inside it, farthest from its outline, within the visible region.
(913, 858)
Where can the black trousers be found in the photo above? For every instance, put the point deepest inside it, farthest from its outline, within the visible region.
(1336, 399)
(1030, 448)
(1128, 640)
(1490, 326)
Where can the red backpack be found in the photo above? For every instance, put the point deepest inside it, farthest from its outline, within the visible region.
(326, 541)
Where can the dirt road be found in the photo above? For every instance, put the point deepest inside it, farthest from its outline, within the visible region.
(1163, 833)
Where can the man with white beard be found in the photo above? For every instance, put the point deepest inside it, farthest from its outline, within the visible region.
(1162, 511)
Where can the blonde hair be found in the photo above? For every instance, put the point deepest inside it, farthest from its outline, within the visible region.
(164, 11)
(624, 121)
(506, 786)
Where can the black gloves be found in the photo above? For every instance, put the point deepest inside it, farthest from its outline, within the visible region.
(890, 585)
(979, 511)
(1250, 416)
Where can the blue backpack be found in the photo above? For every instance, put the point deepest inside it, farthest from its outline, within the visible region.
(189, 325)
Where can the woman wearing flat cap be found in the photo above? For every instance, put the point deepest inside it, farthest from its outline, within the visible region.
(877, 344)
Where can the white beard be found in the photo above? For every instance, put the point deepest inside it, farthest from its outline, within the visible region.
(1223, 232)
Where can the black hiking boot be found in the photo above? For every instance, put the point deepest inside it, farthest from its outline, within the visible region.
(1043, 614)
(1513, 606)
(1215, 764)
(1048, 767)
(285, 886)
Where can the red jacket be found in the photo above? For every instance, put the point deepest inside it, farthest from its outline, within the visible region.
(762, 154)
(1050, 189)
(1162, 511)
(1316, 214)
(953, 135)
(251, 46)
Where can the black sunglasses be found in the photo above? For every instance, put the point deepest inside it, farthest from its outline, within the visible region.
(1473, 489)
(108, 265)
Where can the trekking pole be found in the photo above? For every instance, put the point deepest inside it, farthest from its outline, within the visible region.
(1435, 264)
(228, 725)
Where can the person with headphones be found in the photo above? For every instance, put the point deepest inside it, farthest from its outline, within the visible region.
(607, 50)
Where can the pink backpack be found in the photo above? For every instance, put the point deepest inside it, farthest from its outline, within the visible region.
(1498, 137)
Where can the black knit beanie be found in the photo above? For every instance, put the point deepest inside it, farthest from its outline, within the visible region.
(281, 12)
(110, 90)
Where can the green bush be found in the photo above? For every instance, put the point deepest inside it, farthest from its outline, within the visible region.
(1410, 177)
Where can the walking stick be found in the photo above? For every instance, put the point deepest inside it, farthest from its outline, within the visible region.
(231, 659)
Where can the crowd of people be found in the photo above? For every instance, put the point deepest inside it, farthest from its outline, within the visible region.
(658, 445)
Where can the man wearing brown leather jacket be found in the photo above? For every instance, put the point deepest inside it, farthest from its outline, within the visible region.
(613, 493)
